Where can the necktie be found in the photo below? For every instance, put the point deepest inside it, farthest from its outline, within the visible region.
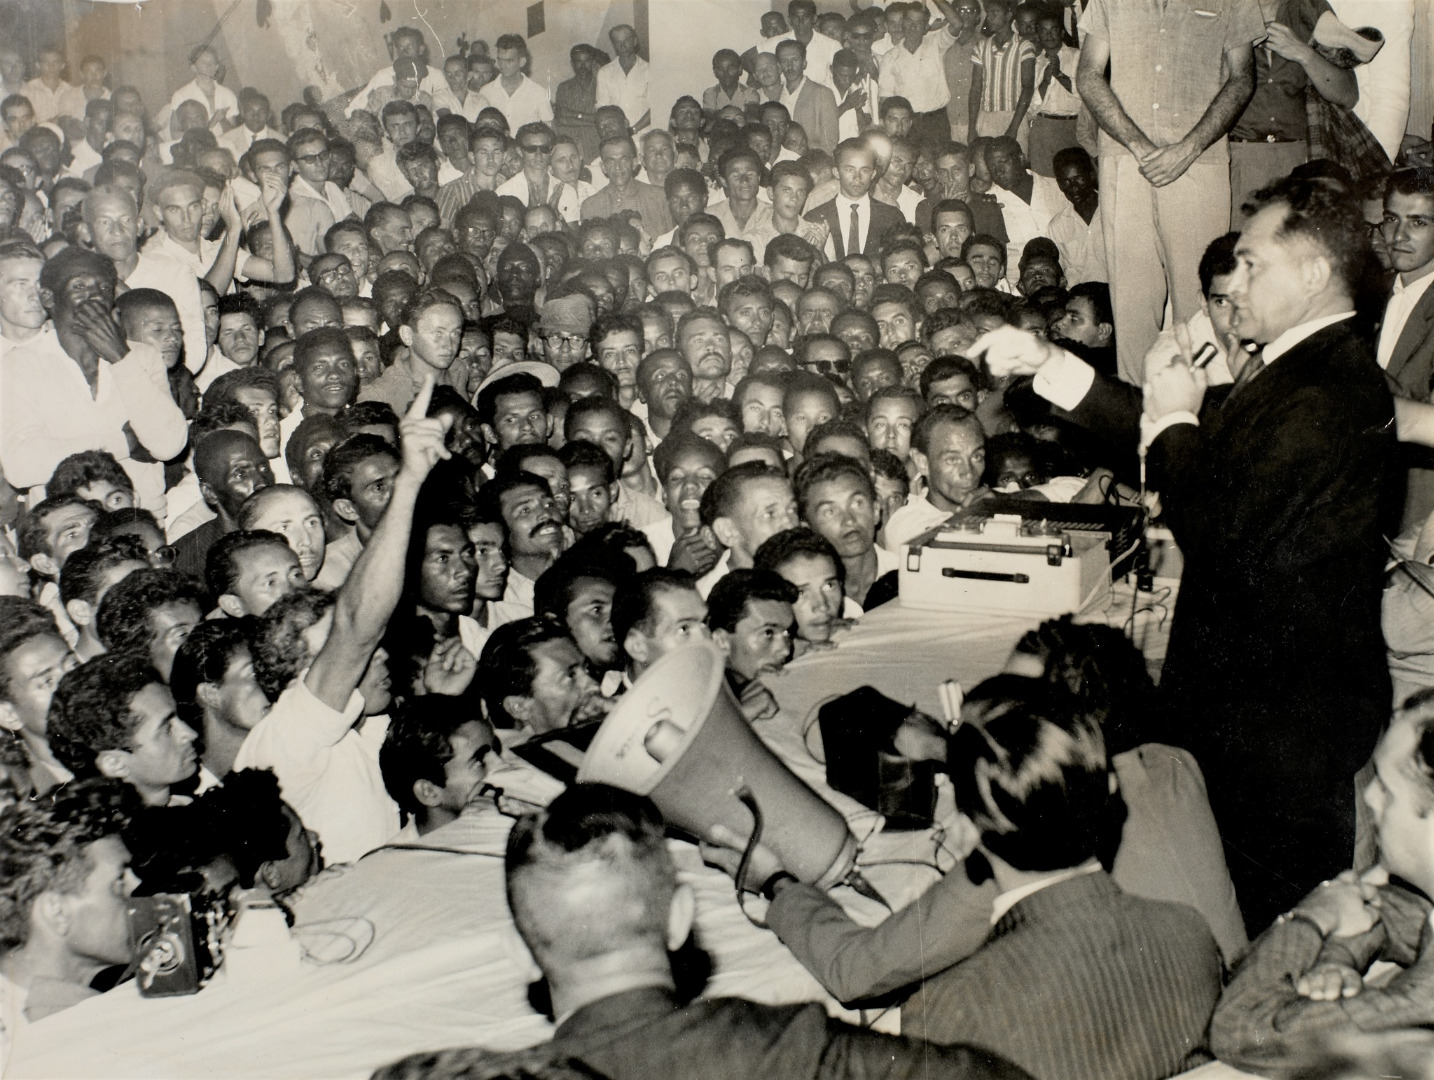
(1252, 367)
(853, 236)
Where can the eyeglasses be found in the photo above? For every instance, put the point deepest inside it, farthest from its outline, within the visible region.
(828, 367)
(163, 556)
(537, 148)
(565, 342)
(313, 159)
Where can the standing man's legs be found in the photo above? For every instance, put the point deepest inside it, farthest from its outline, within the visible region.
(1137, 280)
(1190, 213)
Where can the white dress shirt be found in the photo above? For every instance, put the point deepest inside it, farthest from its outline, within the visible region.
(64, 100)
(432, 83)
(527, 104)
(844, 207)
(174, 271)
(626, 89)
(468, 108)
(225, 101)
(1026, 221)
(920, 76)
(1396, 313)
(238, 141)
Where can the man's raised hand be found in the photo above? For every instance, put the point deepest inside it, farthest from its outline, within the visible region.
(1008, 350)
(420, 437)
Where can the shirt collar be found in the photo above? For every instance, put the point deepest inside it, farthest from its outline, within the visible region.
(1009, 899)
(1295, 334)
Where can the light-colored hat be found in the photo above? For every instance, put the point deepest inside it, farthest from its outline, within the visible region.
(545, 373)
(567, 315)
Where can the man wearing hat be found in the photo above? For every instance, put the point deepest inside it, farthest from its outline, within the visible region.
(564, 328)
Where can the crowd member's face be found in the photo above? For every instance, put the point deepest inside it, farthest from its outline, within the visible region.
(666, 386)
(435, 335)
(266, 574)
(1076, 180)
(902, 267)
(488, 154)
(311, 160)
(1397, 800)
(952, 229)
(32, 671)
(562, 692)
(97, 912)
(842, 511)
(678, 618)
(107, 494)
(742, 179)
(519, 419)
(394, 232)
(1006, 163)
(819, 604)
(619, 354)
(805, 412)
(689, 475)
(157, 326)
(19, 118)
(957, 390)
(567, 162)
(354, 248)
(401, 129)
(619, 162)
(888, 427)
(590, 505)
(733, 263)
(163, 745)
(114, 227)
(563, 350)
(447, 571)
(761, 407)
(659, 154)
(1015, 472)
(761, 642)
(988, 265)
(895, 322)
(1027, 24)
(314, 313)
(329, 377)
(793, 270)
(707, 348)
(938, 294)
(766, 507)
(509, 348)
(255, 113)
(20, 303)
(752, 315)
(1039, 273)
(490, 562)
(956, 461)
(863, 273)
(553, 471)
(671, 274)
(295, 516)
(1220, 307)
(533, 522)
(856, 169)
(1079, 324)
(371, 487)
(697, 241)
(607, 430)
(1408, 230)
(242, 471)
(718, 430)
(766, 71)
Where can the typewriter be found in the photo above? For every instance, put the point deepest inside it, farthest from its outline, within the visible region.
(1015, 556)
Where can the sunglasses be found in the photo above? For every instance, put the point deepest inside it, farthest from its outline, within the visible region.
(537, 148)
(828, 367)
(313, 159)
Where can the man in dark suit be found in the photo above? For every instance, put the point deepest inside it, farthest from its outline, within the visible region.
(596, 899)
(1278, 493)
(1406, 338)
(854, 220)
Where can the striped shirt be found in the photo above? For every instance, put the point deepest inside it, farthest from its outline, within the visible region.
(1001, 85)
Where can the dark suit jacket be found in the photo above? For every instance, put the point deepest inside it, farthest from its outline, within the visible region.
(883, 217)
(645, 1034)
(1411, 367)
(1080, 982)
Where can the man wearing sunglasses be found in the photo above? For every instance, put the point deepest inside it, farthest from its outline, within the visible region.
(535, 185)
(316, 203)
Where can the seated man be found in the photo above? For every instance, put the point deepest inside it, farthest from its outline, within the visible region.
(1304, 977)
(743, 507)
(318, 659)
(33, 658)
(150, 613)
(596, 898)
(114, 717)
(247, 572)
(216, 693)
(62, 908)
(655, 612)
(535, 680)
(838, 500)
(89, 575)
(435, 758)
(948, 447)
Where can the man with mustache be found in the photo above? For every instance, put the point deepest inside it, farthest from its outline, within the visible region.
(524, 503)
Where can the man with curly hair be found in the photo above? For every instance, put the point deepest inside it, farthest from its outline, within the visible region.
(64, 879)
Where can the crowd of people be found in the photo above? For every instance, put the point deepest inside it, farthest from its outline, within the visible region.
(347, 445)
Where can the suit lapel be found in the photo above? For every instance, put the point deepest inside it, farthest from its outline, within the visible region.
(1414, 334)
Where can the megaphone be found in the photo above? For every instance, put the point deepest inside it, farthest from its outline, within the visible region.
(679, 738)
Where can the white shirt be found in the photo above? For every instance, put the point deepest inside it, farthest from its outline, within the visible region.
(1026, 221)
(1396, 313)
(225, 101)
(1009, 899)
(1082, 246)
(569, 205)
(84, 157)
(47, 412)
(528, 104)
(716, 574)
(519, 590)
(432, 83)
(911, 520)
(920, 76)
(1058, 101)
(844, 208)
(468, 108)
(626, 89)
(64, 100)
(661, 535)
(848, 123)
(238, 141)
(327, 769)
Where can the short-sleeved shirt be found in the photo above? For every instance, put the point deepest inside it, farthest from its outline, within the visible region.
(1001, 67)
(715, 99)
(1167, 61)
(527, 104)
(920, 76)
(628, 90)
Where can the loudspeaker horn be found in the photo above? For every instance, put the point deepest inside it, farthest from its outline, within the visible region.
(679, 737)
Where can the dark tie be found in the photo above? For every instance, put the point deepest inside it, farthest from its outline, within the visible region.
(1252, 367)
(853, 236)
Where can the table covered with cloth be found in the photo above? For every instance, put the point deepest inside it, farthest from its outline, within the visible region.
(412, 948)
